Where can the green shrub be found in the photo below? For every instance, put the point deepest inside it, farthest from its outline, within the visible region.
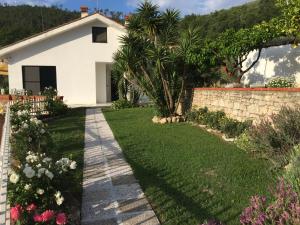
(275, 137)
(213, 119)
(292, 170)
(218, 120)
(233, 128)
(121, 104)
(54, 105)
(281, 82)
(197, 115)
(244, 142)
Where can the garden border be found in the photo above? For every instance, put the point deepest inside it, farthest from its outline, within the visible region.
(4, 168)
(249, 89)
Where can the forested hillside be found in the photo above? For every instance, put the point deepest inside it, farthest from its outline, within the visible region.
(244, 16)
(18, 22)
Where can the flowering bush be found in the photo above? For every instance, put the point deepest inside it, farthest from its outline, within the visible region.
(54, 105)
(29, 134)
(281, 82)
(31, 214)
(38, 180)
(35, 178)
(275, 137)
(284, 210)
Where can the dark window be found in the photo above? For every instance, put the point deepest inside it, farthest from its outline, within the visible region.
(99, 34)
(36, 78)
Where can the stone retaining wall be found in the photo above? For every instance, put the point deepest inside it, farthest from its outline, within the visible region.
(246, 103)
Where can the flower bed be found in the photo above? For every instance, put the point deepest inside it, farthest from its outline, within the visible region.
(36, 182)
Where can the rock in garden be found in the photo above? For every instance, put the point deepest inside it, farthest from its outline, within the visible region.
(174, 120)
(163, 121)
(156, 119)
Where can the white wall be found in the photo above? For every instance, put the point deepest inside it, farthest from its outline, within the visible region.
(74, 55)
(275, 61)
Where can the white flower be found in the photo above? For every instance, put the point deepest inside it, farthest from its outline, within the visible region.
(57, 194)
(49, 174)
(29, 139)
(47, 159)
(29, 172)
(42, 131)
(31, 158)
(41, 171)
(73, 165)
(25, 125)
(38, 165)
(59, 198)
(40, 191)
(27, 187)
(14, 178)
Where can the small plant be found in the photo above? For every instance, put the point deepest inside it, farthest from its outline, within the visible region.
(281, 82)
(197, 115)
(121, 104)
(285, 209)
(213, 119)
(233, 128)
(244, 142)
(218, 120)
(292, 170)
(275, 137)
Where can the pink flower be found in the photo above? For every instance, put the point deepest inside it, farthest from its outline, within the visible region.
(61, 219)
(31, 207)
(15, 212)
(37, 218)
(47, 215)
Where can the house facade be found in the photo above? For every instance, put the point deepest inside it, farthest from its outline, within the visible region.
(74, 58)
(277, 61)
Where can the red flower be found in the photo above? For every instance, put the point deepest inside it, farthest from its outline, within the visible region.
(61, 219)
(47, 215)
(31, 207)
(37, 218)
(15, 212)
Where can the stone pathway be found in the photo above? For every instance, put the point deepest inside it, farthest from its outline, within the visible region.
(111, 194)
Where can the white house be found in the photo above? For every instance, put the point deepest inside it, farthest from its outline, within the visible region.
(75, 58)
(278, 61)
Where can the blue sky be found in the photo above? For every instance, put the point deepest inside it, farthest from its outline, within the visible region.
(185, 6)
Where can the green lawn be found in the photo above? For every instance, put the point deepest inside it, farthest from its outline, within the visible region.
(68, 136)
(187, 174)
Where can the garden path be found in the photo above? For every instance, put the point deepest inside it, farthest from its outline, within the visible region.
(111, 194)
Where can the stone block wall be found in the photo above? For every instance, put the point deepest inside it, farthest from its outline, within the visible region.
(246, 103)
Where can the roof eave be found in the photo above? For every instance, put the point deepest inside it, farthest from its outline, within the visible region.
(5, 51)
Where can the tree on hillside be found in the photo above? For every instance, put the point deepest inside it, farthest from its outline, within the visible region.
(232, 48)
(240, 17)
(154, 56)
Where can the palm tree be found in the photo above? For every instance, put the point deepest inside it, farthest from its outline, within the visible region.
(153, 56)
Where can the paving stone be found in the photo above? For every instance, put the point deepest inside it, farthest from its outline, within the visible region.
(101, 222)
(133, 205)
(141, 218)
(123, 179)
(93, 173)
(101, 195)
(111, 194)
(126, 192)
(94, 210)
